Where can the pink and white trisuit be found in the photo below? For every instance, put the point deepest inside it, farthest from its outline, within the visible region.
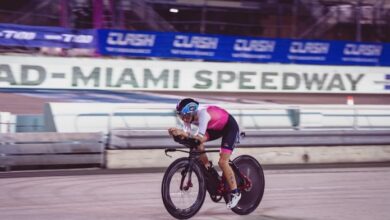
(215, 122)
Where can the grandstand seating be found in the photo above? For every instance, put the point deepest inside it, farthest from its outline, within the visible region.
(356, 20)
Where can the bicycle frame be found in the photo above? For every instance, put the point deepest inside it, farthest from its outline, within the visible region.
(193, 155)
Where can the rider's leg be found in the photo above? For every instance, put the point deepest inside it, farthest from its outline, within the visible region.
(227, 169)
(229, 139)
(235, 195)
(203, 157)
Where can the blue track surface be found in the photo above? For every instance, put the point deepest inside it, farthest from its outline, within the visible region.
(91, 95)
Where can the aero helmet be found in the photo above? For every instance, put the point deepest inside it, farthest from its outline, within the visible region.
(187, 106)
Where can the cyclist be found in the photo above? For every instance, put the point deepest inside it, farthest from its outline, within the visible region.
(213, 122)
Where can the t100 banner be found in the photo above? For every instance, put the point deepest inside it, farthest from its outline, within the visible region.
(241, 49)
(37, 36)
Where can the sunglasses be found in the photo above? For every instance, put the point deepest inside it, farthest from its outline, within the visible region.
(182, 116)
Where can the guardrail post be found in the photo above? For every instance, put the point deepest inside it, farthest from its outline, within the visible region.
(355, 118)
(4, 163)
(295, 116)
(104, 142)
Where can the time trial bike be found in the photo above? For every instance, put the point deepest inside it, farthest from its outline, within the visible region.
(186, 181)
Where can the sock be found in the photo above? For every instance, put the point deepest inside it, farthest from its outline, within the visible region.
(234, 191)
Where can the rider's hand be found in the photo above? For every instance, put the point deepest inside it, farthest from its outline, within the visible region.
(172, 131)
(176, 132)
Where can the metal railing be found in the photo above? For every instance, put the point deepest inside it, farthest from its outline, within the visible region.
(260, 117)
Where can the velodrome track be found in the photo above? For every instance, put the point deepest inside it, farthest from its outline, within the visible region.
(358, 193)
(291, 194)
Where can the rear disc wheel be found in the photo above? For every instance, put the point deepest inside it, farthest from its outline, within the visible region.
(251, 197)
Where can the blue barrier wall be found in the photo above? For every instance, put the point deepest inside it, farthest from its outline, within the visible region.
(241, 49)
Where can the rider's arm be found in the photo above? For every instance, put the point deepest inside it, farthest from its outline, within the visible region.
(185, 134)
(200, 137)
(204, 118)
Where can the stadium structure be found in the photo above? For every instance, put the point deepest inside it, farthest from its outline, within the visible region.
(356, 20)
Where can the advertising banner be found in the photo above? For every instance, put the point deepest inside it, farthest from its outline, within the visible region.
(241, 49)
(37, 36)
(109, 74)
(198, 46)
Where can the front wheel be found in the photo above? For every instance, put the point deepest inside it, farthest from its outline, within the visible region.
(183, 188)
(251, 197)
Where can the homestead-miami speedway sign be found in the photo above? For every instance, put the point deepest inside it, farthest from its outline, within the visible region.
(114, 74)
